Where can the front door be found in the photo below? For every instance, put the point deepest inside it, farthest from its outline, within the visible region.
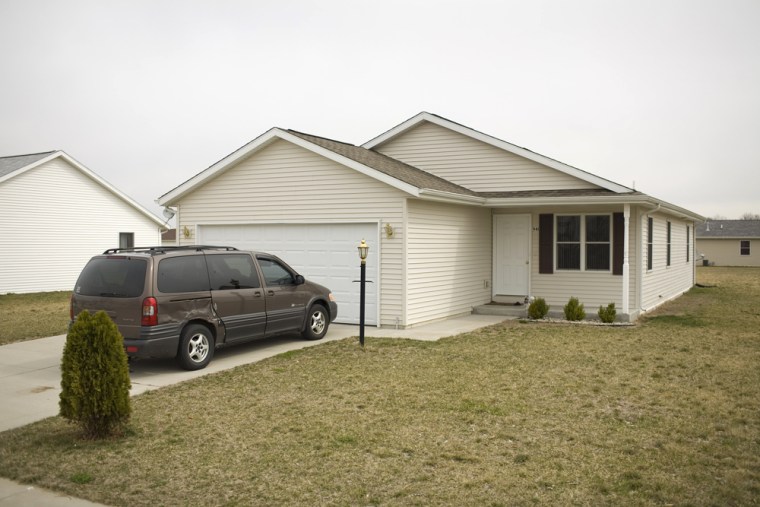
(511, 255)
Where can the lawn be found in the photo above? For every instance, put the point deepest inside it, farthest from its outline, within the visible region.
(663, 413)
(27, 316)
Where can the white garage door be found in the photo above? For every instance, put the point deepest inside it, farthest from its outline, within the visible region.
(323, 253)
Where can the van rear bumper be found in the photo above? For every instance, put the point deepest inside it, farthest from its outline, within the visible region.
(154, 341)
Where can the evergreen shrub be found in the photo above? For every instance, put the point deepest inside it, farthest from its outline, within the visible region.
(607, 315)
(538, 309)
(574, 310)
(95, 376)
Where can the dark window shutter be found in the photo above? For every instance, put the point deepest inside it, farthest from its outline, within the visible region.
(546, 243)
(618, 224)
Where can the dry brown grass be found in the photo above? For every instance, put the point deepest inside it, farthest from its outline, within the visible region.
(667, 412)
(28, 316)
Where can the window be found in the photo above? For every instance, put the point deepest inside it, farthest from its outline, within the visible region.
(126, 240)
(744, 247)
(668, 251)
(583, 241)
(688, 243)
(232, 271)
(598, 242)
(569, 242)
(117, 276)
(183, 274)
(650, 242)
(275, 273)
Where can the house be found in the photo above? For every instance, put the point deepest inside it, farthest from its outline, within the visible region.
(56, 214)
(454, 218)
(729, 242)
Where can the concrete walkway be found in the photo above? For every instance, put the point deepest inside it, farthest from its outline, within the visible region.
(30, 379)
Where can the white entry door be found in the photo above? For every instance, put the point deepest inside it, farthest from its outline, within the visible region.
(511, 256)
(323, 253)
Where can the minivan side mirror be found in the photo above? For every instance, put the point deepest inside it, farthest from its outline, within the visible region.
(300, 279)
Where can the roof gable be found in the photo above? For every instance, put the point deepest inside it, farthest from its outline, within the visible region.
(420, 118)
(11, 167)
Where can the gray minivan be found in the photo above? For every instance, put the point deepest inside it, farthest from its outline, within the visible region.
(185, 301)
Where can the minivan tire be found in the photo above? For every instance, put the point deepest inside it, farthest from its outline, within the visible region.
(196, 347)
(317, 322)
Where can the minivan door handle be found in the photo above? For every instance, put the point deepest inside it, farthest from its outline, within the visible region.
(257, 294)
(270, 293)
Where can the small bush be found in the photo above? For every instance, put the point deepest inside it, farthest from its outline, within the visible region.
(574, 310)
(607, 315)
(95, 376)
(538, 309)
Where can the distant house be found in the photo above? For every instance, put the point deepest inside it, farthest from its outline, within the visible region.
(729, 242)
(455, 219)
(56, 214)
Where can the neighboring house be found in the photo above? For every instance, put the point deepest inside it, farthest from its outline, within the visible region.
(454, 218)
(729, 242)
(56, 214)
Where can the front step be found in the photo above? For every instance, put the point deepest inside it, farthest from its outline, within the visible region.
(507, 310)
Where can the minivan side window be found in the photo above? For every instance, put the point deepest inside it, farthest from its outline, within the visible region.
(182, 274)
(232, 271)
(275, 273)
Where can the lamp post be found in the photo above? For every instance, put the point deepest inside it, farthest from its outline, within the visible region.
(363, 251)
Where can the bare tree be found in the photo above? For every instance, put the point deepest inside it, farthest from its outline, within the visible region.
(750, 216)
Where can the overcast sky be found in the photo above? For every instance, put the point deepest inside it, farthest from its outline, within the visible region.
(663, 94)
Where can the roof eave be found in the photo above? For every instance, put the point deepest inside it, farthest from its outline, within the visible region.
(517, 150)
(172, 198)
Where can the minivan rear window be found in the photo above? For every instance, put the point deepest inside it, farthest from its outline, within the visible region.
(119, 277)
(183, 274)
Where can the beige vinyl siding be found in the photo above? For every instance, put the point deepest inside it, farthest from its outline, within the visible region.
(284, 183)
(472, 163)
(726, 251)
(663, 282)
(54, 218)
(448, 260)
(592, 288)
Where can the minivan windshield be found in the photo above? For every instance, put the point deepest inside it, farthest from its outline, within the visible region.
(119, 277)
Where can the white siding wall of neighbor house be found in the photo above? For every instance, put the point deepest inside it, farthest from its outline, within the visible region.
(284, 183)
(727, 251)
(54, 218)
(664, 282)
(472, 163)
(590, 287)
(448, 260)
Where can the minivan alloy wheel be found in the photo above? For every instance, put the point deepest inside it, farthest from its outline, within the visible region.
(317, 323)
(196, 347)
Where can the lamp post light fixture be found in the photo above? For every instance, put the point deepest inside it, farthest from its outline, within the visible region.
(363, 251)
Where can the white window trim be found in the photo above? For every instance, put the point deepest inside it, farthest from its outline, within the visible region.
(582, 242)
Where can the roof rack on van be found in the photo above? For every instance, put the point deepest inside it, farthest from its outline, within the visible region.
(164, 249)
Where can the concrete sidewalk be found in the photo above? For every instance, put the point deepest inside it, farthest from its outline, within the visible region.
(30, 379)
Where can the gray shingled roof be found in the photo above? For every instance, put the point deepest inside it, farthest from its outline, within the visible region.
(387, 165)
(575, 192)
(14, 163)
(729, 229)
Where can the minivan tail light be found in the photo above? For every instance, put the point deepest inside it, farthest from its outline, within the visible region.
(149, 312)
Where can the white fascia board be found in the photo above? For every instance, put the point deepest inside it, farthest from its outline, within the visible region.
(37, 163)
(441, 196)
(172, 197)
(498, 143)
(100, 181)
(641, 200)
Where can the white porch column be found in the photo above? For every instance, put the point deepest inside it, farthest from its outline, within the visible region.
(626, 281)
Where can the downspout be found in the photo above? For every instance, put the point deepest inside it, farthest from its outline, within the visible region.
(626, 281)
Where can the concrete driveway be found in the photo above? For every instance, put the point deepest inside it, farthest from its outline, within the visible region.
(30, 374)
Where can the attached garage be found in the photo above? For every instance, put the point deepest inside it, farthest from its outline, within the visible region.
(322, 252)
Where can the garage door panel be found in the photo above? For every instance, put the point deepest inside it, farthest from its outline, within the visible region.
(323, 253)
